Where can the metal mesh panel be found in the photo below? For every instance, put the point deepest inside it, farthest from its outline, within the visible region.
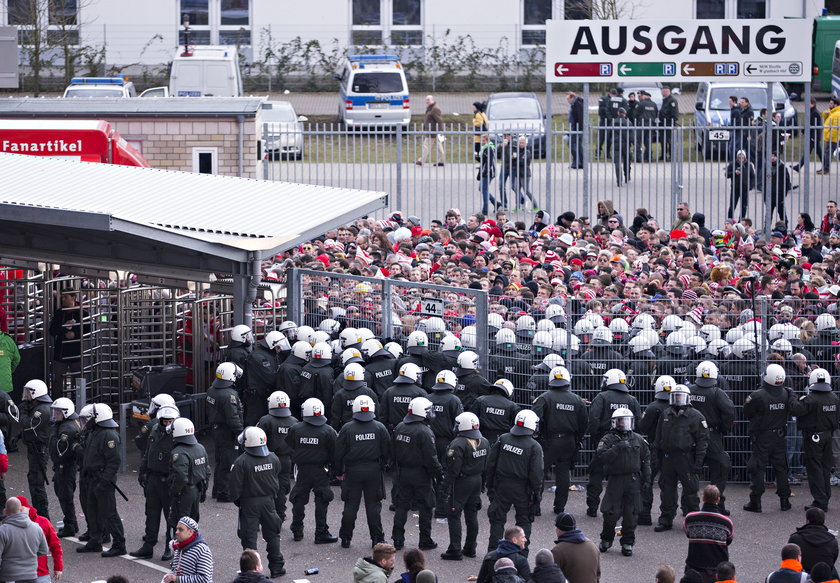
(21, 297)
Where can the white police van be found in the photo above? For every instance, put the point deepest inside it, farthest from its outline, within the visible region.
(372, 91)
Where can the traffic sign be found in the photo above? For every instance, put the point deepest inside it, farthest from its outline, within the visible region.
(691, 50)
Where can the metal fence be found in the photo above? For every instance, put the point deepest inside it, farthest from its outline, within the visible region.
(427, 174)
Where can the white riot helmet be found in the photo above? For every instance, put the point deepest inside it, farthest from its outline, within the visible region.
(733, 335)
(545, 325)
(790, 332)
(663, 387)
(329, 326)
(467, 360)
(467, 425)
(743, 348)
(825, 322)
(279, 404)
(103, 415)
(183, 431)
(417, 342)
(354, 376)
(679, 396)
(595, 319)
(506, 340)
(622, 419)
(819, 380)
(304, 334)
(555, 313)
(321, 354)
(644, 321)
(706, 374)
(671, 323)
(505, 386)
(619, 328)
(409, 373)
(227, 372)
(709, 332)
(162, 399)
(696, 345)
(319, 336)
(168, 412)
(525, 423)
(370, 347)
(302, 350)
(288, 329)
(364, 408)
(242, 333)
(62, 407)
(255, 441)
(718, 348)
(615, 379)
(468, 338)
(450, 343)
(420, 407)
(526, 327)
(583, 328)
(602, 335)
(541, 344)
(495, 321)
(783, 347)
(394, 348)
(775, 332)
(37, 390)
(312, 411)
(349, 337)
(775, 375)
(364, 334)
(641, 345)
(445, 381)
(559, 377)
(276, 339)
(351, 355)
(549, 361)
(675, 343)
(86, 413)
(435, 328)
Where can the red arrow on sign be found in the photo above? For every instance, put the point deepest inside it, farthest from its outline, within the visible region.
(582, 69)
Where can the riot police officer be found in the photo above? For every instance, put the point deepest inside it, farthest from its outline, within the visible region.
(86, 419)
(507, 362)
(276, 426)
(768, 411)
(261, 374)
(626, 457)
(238, 351)
(35, 424)
(417, 466)
(65, 451)
(316, 376)
(313, 451)
(288, 373)
(141, 440)
(647, 426)
(515, 477)
(225, 412)
(471, 385)
(362, 450)
(563, 420)
(189, 474)
(669, 116)
(380, 365)
(342, 402)
(817, 418)
(395, 400)
(417, 347)
(254, 483)
(538, 382)
(716, 406)
(466, 459)
(496, 411)
(600, 357)
(614, 395)
(682, 437)
(445, 408)
(645, 116)
(101, 464)
(154, 479)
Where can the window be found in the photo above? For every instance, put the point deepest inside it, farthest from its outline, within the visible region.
(534, 15)
(48, 23)
(406, 22)
(235, 13)
(752, 9)
(577, 10)
(205, 160)
(23, 12)
(216, 22)
(198, 12)
(395, 22)
(63, 12)
(711, 9)
(367, 13)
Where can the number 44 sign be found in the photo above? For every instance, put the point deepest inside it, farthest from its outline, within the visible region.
(431, 307)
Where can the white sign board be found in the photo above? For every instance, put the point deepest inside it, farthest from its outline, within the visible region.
(598, 51)
(431, 307)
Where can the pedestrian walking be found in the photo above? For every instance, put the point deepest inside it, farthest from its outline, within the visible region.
(432, 125)
(486, 173)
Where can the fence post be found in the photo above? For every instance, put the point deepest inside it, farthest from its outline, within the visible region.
(585, 149)
(482, 343)
(806, 150)
(549, 144)
(265, 160)
(766, 189)
(293, 292)
(399, 166)
(387, 314)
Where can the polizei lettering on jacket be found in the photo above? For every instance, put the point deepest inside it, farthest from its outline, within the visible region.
(776, 406)
(263, 467)
(51, 146)
(564, 407)
(494, 411)
(402, 399)
(365, 436)
(309, 441)
(404, 438)
(513, 449)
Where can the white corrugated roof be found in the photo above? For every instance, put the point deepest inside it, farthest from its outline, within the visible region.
(147, 106)
(235, 212)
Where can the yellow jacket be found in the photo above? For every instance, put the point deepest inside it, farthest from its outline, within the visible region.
(831, 125)
(480, 123)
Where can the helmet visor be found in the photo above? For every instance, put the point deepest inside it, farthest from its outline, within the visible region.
(679, 399)
(623, 423)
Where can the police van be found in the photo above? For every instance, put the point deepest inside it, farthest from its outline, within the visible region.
(372, 91)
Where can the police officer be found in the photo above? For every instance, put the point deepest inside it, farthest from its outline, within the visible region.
(238, 351)
(417, 466)
(739, 370)
(445, 408)
(538, 382)
(353, 385)
(600, 357)
(313, 451)
(645, 116)
(466, 458)
(101, 463)
(154, 479)
(349, 356)
(380, 366)
(622, 146)
(416, 349)
(254, 483)
(817, 418)
(496, 411)
(675, 360)
(396, 398)
(362, 450)
(189, 474)
(65, 449)
(647, 426)
(316, 376)
(35, 424)
(716, 406)
(682, 437)
(515, 477)
(141, 440)
(471, 385)
(225, 412)
(261, 374)
(288, 373)
(86, 419)
(626, 456)
(604, 121)
(506, 361)
(563, 420)
(276, 426)
(669, 116)
(614, 395)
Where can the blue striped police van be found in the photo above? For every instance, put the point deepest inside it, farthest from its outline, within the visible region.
(373, 92)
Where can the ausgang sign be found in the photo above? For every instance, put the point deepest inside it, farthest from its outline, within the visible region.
(691, 50)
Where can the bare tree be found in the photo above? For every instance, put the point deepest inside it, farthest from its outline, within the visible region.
(601, 9)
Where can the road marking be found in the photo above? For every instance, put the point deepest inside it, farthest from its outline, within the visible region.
(143, 562)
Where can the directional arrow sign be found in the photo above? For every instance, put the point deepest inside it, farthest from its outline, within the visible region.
(696, 69)
(647, 69)
(582, 69)
(776, 69)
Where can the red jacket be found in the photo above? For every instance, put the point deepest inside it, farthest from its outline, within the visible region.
(52, 540)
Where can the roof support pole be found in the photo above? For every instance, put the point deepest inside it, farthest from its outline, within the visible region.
(245, 291)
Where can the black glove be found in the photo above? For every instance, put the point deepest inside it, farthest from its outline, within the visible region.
(141, 479)
(623, 444)
(491, 493)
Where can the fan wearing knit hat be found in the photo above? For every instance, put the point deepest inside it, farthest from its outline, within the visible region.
(193, 559)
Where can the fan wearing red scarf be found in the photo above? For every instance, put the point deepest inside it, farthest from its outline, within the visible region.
(193, 561)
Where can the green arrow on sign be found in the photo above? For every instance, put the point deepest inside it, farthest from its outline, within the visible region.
(647, 69)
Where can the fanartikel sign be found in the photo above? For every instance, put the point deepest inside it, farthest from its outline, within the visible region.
(692, 50)
(34, 147)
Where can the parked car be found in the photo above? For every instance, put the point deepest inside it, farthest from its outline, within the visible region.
(117, 86)
(517, 113)
(281, 130)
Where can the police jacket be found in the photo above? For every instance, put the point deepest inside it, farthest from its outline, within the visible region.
(518, 459)
(342, 404)
(261, 368)
(495, 412)
(338, 383)
(362, 442)
(225, 409)
(650, 418)
(669, 113)
(446, 407)
(253, 476)
(600, 358)
(674, 365)
(189, 466)
(561, 412)
(381, 369)
(604, 109)
(312, 445)
(683, 431)
(716, 407)
(158, 451)
(823, 349)
(434, 363)
(394, 403)
(646, 113)
(141, 440)
(237, 353)
(470, 386)
(816, 412)
(537, 383)
(624, 452)
(511, 365)
(623, 139)
(316, 381)
(8, 410)
(277, 429)
(617, 102)
(741, 376)
(102, 454)
(414, 447)
(35, 421)
(65, 443)
(465, 457)
(768, 408)
(288, 377)
(603, 406)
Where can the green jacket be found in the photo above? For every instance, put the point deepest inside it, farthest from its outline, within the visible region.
(9, 360)
(366, 571)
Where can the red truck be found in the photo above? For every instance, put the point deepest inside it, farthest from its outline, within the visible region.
(85, 140)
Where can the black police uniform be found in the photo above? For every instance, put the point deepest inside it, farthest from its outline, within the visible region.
(768, 411)
(100, 466)
(626, 457)
(316, 380)
(817, 418)
(254, 483)
(342, 402)
(141, 440)
(238, 353)
(496, 413)
(824, 348)
(604, 121)
(645, 116)
(600, 419)
(641, 375)
(466, 459)
(563, 421)
(537, 383)
(381, 369)
(471, 385)
(647, 426)
(600, 358)
(84, 482)
(35, 422)
(514, 478)
(362, 450)
(682, 437)
(289, 379)
(262, 365)
(426, 379)
(508, 363)
(675, 363)
(669, 116)
(716, 406)
(154, 478)
(276, 426)
(65, 450)
(417, 466)
(189, 476)
(446, 407)
(313, 452)
(742, 378)
(622, 148)
(225, 411)
(394, 404)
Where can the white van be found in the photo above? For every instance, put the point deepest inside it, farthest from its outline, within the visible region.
(372, 91)
(206, 71)
(835, 70)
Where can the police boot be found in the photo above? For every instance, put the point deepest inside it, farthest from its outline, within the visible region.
(66, 531)
(452, 555)
(627, 550)
(754, 504)
(144, 552)
(167, 553)
(90, 548)
(84, 537)
(784, 504)
(325, 538)
(345, 543)
(644, 520)
(605, 545)
(116, 550)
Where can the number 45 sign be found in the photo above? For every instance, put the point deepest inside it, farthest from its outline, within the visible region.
(431, 307)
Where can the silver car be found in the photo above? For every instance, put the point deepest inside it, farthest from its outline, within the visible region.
(517, 113)
(281, 130)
